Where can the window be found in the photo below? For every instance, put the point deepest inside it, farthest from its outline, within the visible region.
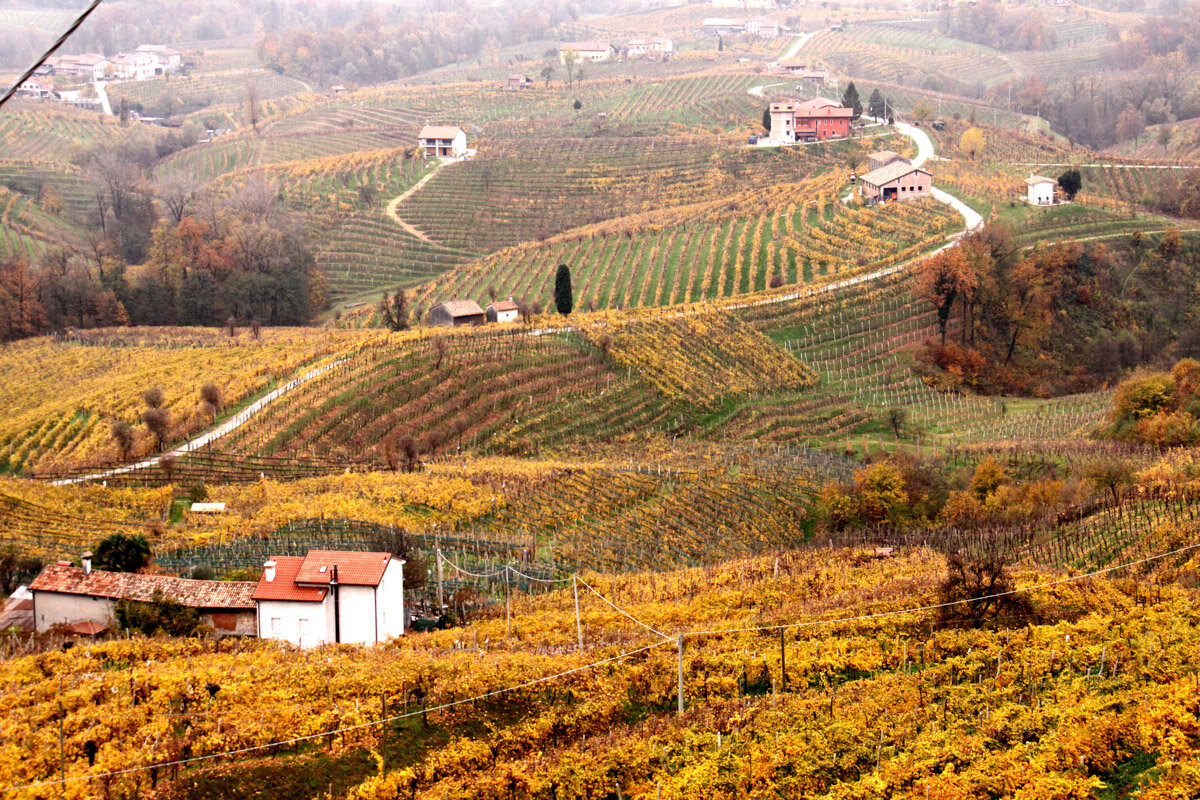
(303, 627)
(276, 624)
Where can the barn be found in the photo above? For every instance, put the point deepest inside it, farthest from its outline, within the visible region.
(457, 312)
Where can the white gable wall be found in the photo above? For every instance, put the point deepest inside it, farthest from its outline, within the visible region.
(358, 614)
(56, 608)
(391, 601)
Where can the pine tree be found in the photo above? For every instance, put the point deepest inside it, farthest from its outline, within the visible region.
(766, 118)
(564, 300)
(851, 100)
(875, 105)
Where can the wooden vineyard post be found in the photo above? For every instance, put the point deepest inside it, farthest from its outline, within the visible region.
(782, 659)
(578, 624)
(680, 641)
(507, 604)
(438, 556)
(383, 734)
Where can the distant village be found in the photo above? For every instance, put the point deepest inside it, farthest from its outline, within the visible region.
(145, 63)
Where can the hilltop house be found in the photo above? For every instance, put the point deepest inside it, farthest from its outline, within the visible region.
(443, 141)
(457, 312)
(36, 87)
(133, 66)
(881, 158)
(92, 66)
(84, 598)
(331, 596)
(587, 51)
(812, 120)
(503, 311)
(899, 180)
(162, 58)
(763, 27)
(1039, 191)
(649, 46)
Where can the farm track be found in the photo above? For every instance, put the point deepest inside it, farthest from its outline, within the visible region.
(396, 201)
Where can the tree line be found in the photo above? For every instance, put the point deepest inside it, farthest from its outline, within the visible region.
(161, 252)
(1060, 319)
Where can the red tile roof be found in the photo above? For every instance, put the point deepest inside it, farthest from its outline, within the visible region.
(126, 585)
(284, 587)
(354, 569)
(86, 627)
(504, 305)
(17, 613)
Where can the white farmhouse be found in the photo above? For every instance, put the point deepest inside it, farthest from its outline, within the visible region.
(649, 46)
(331, 596)
(443, 141)
(1039, 191)
(164, 59)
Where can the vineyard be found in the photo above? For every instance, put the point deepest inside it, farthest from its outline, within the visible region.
(202, 91)
(527, 190)
(51, 133)
(108, 371)
(798, 234)
(865, 706)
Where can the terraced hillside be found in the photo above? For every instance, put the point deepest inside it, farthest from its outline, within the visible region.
(793, 234)
(45, 429)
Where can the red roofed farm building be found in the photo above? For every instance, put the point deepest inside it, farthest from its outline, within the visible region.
(331, 596)
(812, 120)
(67, 595)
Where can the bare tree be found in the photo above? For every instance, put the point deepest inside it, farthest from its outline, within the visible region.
(252, 109)
(158, 422)
(176, 191)
(153, 397)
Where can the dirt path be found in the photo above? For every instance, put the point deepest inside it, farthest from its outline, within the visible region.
(396, 201)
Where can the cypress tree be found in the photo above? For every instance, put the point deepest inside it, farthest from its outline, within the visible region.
(851, 100)
(875, 105)
(564, 300)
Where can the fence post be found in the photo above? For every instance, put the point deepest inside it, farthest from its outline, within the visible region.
(507, 604)
(680, 642)
(782, 659)
(578, 624)
(438, 556)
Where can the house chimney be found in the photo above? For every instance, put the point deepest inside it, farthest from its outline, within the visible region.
(87, 562)
(269, 573)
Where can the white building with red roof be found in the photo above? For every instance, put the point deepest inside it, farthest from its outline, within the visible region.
(331, 596)
(443, 141)
(70, 596)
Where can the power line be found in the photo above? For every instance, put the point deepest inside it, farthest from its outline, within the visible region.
(626, 613)
(54, 47)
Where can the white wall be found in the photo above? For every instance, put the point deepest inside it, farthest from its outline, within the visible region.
(53, 608)
(303, 624)
(357, 609)
(1041, 193)
(391, 601)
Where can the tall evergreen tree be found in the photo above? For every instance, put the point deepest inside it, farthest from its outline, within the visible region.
(876, 104)
(766, 118)
(851, 100)
(564, 300)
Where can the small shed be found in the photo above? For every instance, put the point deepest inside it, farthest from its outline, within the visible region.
(897, 181)
(503, 311)
(457, 312)
(1039, 190)
(519, 82)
